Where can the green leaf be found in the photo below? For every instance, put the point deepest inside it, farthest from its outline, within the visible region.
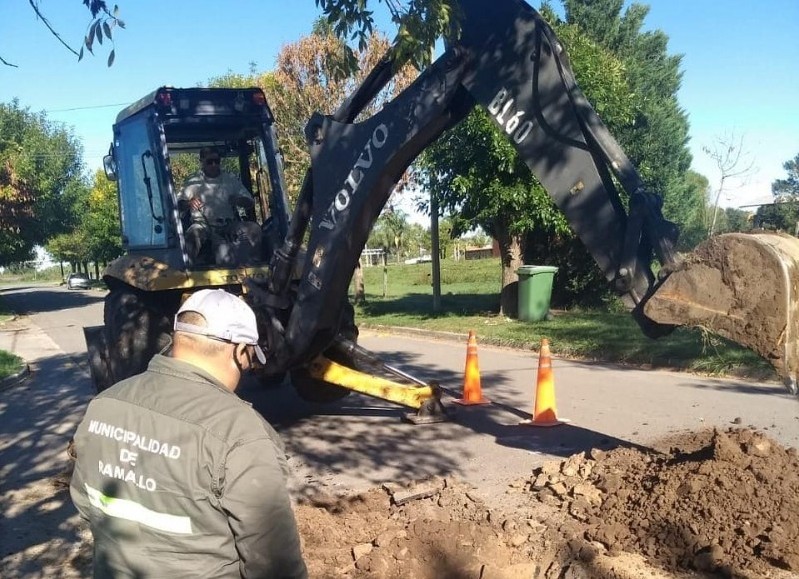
(90, 38)
(80, 54)
(111, 56)
(98, 26)
(107, 30)
(120, 23)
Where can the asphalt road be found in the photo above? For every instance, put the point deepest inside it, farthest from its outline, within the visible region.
(359, 442)
(60, 312)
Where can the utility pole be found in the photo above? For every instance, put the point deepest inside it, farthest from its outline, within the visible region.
(435, 243)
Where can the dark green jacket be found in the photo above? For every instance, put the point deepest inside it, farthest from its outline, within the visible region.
(179, 477)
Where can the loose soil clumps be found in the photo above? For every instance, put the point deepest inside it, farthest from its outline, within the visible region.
(723, 502)
(716, 503)
(450, 534)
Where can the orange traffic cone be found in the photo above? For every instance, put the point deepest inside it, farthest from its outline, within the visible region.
(472, 392)
(545, 413)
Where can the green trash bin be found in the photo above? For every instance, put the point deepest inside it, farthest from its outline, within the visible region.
(535, 291)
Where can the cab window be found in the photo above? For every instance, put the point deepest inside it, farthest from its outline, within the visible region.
(142, 200)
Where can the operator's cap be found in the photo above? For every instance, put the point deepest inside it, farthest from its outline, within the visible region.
(228, 318)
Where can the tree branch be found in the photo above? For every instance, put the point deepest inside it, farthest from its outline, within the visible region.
(50, 28)
(4, 61)
(730, 159)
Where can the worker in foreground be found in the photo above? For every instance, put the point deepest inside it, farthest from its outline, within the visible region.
(177, 476)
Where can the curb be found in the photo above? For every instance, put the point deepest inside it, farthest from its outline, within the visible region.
(535, 348)
(448, 336)
(441, 335)
(15, 379)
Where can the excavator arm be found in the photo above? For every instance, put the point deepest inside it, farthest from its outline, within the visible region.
(508, 61)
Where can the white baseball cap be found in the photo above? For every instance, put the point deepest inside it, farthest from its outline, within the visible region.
(228, 318)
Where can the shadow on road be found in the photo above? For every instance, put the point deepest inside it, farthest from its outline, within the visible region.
(47, 299)
(501, 419)
(37, 418)
(367, 438)
(357, 436)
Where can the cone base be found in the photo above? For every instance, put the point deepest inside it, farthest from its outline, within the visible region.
(544, 423)
(464, 402)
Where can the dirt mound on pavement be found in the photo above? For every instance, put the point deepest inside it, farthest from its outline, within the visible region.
(723, 502)
(447, 532)
(709, 504)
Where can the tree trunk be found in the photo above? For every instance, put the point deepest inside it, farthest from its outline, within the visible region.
(360, 291)
(511, 248)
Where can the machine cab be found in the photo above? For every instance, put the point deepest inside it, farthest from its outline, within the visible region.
(156, 147)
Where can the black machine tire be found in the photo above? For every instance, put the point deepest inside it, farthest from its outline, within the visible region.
(138, 325)
(318, 391)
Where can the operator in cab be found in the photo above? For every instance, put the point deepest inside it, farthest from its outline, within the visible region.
(212, 198)
(179, 477)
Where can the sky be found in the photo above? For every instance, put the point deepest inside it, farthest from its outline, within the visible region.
(740, 72)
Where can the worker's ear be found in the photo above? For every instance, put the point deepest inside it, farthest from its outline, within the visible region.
(241, 355)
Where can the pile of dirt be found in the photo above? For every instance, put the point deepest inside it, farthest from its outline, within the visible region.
(443, 530)
(709, 504)
(723, 502)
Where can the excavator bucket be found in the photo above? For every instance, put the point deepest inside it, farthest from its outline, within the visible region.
(744, 287)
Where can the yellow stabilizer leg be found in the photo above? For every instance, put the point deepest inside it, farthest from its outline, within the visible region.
(410, 396)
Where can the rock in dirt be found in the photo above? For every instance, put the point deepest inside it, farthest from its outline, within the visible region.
(401, 495)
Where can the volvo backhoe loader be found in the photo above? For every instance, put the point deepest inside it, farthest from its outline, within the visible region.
(508, 61)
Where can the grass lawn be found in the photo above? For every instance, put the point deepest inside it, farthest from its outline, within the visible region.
(470, 301)
(9, 363)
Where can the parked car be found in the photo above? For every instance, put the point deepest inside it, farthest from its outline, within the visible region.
(78, 281)
(420, 259)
